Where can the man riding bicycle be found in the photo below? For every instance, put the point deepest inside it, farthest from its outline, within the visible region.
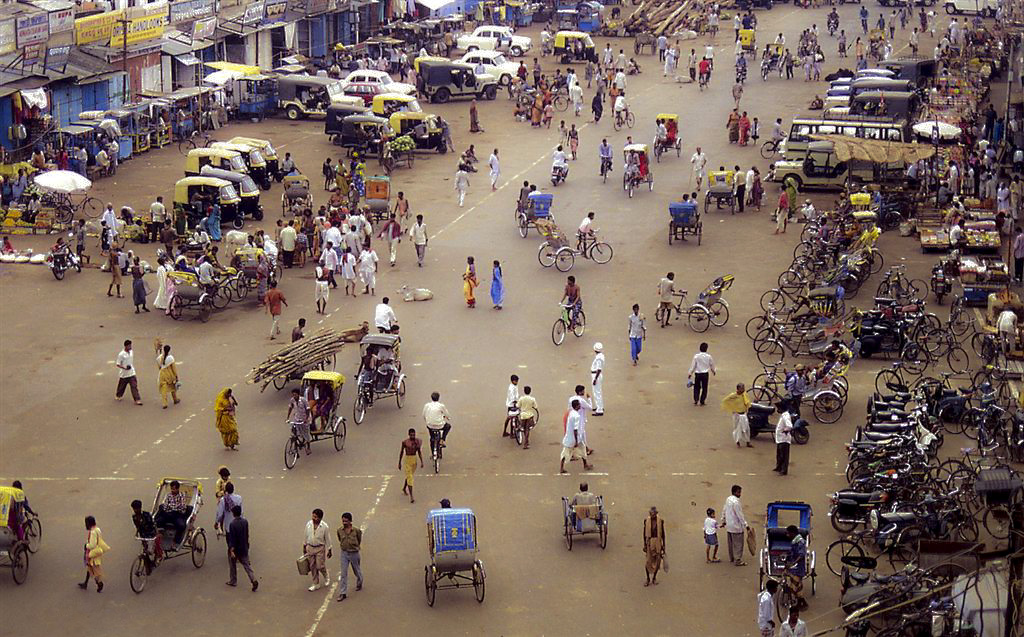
(604, 151)
(586, 232)
(572, 298)
(621, 108)
(704, 71)
(438, 422)
(299, 417)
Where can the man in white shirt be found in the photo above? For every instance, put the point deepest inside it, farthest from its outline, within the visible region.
(597, 372)
(111, 219)
(495, 167)
(700, 166)
(384, 317)
(701, 368)
(329, 259)
(572, 444)
(206, 275)
(1007, 326)
(315, 546)
(438, 422)
(511, 403)
(126, 373)
(735, 524)
(418, 234)
(157, 215)
(333, 236)
(808, 210)
(765, 606)
(793, 626)
(956, 235)
(288, 240)
(783, 438)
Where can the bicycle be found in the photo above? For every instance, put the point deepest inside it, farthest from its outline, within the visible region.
(575, 322)
(66, 209)
(700, 316)
(770, 147)
(185, 144)
(623, 118)
(436, 448)
(606, 167)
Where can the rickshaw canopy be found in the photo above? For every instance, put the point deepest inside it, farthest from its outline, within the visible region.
(381, 340)
(9, 495)
(334, 378)
(801, 508)
(562, 36)
(290, 180)
(666, 116)
(636, 148)
(397, 101)
(452, 529)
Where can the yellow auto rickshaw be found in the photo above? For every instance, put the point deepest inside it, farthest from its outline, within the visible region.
(217, 157)
(384, 104)
(574, 46)
(424, 129)
(253, 159)
(193, 194)
(266, 149)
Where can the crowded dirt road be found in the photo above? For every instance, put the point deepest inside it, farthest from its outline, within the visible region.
(80, 453)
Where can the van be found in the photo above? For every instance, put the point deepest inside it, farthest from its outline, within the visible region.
(888, 105)
(795, 144)
(920, 72)
(981, 7)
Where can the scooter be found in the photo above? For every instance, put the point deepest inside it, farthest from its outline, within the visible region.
(758, 418)
(559, 174)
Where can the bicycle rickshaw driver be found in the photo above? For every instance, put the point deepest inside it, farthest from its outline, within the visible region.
(661, 133)
(583, 498)
(604, 152)
(438, 421)
(572, 298)
(367, 365)
(796, 564)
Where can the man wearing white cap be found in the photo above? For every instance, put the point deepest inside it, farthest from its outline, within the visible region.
(597, 371)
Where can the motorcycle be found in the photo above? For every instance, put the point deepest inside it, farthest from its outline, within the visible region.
(852, 508)
(833, 24)
(941, 284)
(60, 264)
(758, 418)
(559, 174)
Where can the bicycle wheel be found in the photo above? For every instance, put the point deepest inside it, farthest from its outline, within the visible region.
(772, 355)
(699, 318)
(763, 395)
(524, 226)
(546, 255)
(186, 144)
(887, 381)
(719, 313)
(958, 360)
(630, 119)
(561, 103)
(784, 600)
(359, 408)
(565, 258)
(768, 149)
(917, 288)
(997, 522)
(601, 253)
(840, 549)
(616, 122)
(138, 575)
(91, 207)
(558, 331)
(915, 359)
(773, 301)
(291, 453)
(755, 325)
(580, 326)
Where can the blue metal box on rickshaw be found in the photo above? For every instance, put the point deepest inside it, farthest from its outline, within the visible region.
(453, 530)
(683, 213)
(541, 204)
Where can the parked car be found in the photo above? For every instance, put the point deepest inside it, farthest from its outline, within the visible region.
(494, 38)
(441, 81)
(495, 64)
(379, 77)
(982, 7)
(363, 90)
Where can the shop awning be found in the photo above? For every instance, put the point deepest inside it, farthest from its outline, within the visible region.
(220, 78)
(877, 151)
(34, 97)
(435, 5)
(187, 59)
(237, 68)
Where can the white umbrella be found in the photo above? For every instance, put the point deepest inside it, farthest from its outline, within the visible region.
(946, 131)
(64, 181)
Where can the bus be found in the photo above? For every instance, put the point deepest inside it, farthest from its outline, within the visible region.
(794, 147)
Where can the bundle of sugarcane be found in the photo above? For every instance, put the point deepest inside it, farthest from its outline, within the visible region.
(660, 16)
(314, 351)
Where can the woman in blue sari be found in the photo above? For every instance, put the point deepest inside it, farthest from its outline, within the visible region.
(497, 286)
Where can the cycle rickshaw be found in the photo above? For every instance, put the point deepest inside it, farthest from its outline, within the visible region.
(771, 60)
(672, 140)
(13, 548)
(323, 390)
(638, 168)
(748, 40)
(776, 550)
(557, 251)
(685, 219)
(385, 380)
(296, 196)
(452, 541)
(193, 541)
(188, 294)
(721, 184)
(584, 519)
(538, 207)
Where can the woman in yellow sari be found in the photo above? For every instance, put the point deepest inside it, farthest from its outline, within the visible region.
(168, 381)
(469, 281)
(224, 408)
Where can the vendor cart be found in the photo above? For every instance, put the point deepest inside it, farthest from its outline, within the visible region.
(317, 351)
(378, 197)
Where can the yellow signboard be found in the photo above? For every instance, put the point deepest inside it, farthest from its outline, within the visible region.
(96, 28)
(144, 24)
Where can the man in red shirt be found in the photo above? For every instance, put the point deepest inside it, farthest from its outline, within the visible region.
(273, 301)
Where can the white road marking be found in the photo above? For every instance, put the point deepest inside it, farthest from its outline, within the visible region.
(334, 587)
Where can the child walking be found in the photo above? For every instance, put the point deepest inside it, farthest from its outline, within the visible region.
(711, 537)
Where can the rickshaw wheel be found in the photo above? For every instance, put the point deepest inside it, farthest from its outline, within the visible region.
(291, 453)
(568, 534)
(340, 431)
(359, 408)
(546, 255)
(719, 313)
(138, 575)
(699, 319)
(784, 600)
(205, 310)
(478, 582)
(19, 563)
(603, 528)
(601, 253)
(671, 231)
(700, 232)
(400, 394)
(198, 543)
(33, 534)
(679, 148)
(175, 309)
(430, 583)
(657, 152)
(524, 227)
(564, 259)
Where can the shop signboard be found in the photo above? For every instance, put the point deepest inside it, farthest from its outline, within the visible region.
(275, 11)
(144, 23)
(316, 7)
(204, 29)
(62, 20)
(253, 13)
(33, 28)
(33, 54)
(57, 57)
(96, 28)
(189, 10)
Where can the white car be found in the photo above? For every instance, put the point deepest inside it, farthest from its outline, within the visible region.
(983, 7)
(495, 64)
(379, 77)
(494, 38)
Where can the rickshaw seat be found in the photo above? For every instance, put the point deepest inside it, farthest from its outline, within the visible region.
(586, 511)
(8, 537)
(778, 539)
(452, 561)
(758, 408)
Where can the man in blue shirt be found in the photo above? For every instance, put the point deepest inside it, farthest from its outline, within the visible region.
(796, 564)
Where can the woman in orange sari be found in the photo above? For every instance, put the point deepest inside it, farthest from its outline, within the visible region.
(744, 126)
(537, 110)
(469, 282)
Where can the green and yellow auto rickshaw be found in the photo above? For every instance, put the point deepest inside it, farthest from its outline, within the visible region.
(217, 157)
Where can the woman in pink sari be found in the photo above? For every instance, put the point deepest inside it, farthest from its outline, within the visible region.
(744, 126)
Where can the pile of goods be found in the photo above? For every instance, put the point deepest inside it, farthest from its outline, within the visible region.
(666, 16)
(403, 144)
(316, 351)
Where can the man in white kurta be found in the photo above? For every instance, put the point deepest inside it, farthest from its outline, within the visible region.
(597, 377)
